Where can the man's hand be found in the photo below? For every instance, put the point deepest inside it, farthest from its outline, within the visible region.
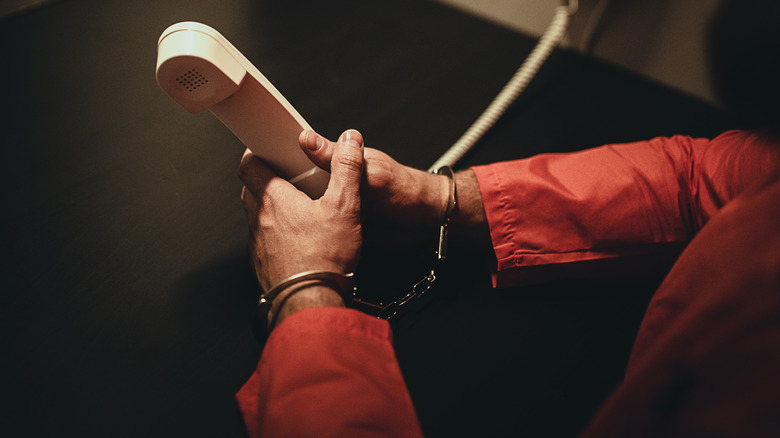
(403, 205)
(290, 233)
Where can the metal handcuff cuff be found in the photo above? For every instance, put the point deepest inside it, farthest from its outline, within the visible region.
(343, 283)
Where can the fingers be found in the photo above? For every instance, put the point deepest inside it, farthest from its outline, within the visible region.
(259, 179)
(346, 169)
(317, 148)
(250, 205)
(343, 159)
(254, 174)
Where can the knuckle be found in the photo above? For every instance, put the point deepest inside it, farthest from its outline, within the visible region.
(351, 161)
(243, 170)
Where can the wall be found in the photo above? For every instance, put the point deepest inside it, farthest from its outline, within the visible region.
(10, 7)
(661, 39)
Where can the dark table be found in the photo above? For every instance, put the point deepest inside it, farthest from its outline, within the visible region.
(127, 290)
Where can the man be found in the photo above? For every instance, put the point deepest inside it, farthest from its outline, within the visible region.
(706, 357)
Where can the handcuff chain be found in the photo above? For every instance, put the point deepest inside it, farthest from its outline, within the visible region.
(390, 310)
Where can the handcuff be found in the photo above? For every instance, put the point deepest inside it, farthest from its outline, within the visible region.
(344, 283)
(262, 326)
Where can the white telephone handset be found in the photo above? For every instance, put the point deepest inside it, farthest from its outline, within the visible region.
(199, 69)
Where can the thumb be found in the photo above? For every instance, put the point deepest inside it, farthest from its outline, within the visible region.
(318, 148)
(346, 171)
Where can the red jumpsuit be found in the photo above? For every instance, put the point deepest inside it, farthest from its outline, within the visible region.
(706, 360)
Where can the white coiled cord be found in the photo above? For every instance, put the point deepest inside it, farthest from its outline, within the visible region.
(551, 38)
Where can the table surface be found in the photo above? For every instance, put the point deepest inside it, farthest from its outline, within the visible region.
(128, 290)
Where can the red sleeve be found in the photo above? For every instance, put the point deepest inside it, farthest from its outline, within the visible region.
(615, 200)
(705, 361)
(328, 372)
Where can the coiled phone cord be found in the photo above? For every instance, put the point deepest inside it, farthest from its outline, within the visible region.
(552, 37)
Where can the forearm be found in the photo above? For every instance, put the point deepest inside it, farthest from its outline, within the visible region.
(468, 225)
(328, 372)
(647, 198)
(556, 211)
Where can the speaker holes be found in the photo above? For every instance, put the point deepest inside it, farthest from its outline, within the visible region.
(192, 80)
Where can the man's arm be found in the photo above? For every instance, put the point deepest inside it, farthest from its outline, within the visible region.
(325, 370)
(615, 210)
(328, 372)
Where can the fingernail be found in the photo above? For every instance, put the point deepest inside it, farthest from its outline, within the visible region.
(351, 139)
(318, 143)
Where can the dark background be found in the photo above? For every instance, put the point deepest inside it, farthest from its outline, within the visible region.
(128, 295)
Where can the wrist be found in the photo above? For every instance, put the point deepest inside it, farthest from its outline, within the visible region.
(302, 296)
(432, 192)
(468, 223)
(297, 292)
